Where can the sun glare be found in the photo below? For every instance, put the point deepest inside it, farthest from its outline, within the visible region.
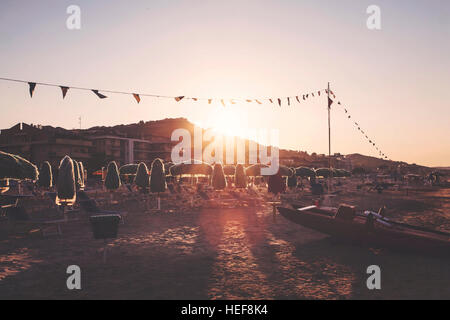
(228, 121)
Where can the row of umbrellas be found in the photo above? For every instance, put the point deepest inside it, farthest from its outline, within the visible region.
(197, 167)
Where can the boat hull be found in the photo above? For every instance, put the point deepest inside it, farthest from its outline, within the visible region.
(356, 232)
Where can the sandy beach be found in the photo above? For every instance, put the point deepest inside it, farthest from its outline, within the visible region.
(240, 253)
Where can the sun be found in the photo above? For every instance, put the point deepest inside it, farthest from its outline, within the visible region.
(228, 121)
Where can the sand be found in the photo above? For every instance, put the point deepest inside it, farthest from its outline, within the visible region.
(241, 253)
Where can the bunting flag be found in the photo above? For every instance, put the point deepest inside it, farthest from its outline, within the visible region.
(137, 96)
(358, 127)
(64, 91)
(101, 96)
(330, 102)
(32, 87)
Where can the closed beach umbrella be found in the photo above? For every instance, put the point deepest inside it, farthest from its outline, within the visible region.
(167, 167)
(304, 172)
(17, 168)
(229, 170)
(76, 170)
(66, 189)
(142, 178)
(218, 178)
(323, 172)
(81, 171)
(45, 175)
(194, 167)
(157, 177)
(276, 184)
(128, 169)
(112, 180)
(341, 173)
(292, 181)
(255, 170)
(240, 179)
(285, 171)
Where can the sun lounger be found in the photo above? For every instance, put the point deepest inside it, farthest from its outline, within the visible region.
(91, 208)
(18, 216)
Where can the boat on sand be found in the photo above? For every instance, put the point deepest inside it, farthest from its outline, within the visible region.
(369, 229)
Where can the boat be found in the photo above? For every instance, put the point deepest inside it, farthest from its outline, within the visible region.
(369, 229)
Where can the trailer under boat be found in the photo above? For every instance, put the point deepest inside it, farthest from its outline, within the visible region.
(345, 224)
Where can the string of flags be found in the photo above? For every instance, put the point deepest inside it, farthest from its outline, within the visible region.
(358, 127)
(280, 101)
(101, 94)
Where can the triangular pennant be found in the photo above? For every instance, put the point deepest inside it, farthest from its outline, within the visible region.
(178, 99)
(330, 102)
(137, 97)
(279, 101)
(101, 96)
(64, 91)
(32, 87)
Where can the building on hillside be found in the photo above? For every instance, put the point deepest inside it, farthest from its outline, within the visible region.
(39, 144)
(94, 147)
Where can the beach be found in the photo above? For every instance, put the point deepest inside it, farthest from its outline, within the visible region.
(220, 253)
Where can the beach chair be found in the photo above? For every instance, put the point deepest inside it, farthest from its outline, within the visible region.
(17, 216)
(90, 207)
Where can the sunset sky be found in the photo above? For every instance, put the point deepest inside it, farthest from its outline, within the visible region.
(394, 81)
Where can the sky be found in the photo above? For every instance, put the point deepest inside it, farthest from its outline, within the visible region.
(394, 81)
